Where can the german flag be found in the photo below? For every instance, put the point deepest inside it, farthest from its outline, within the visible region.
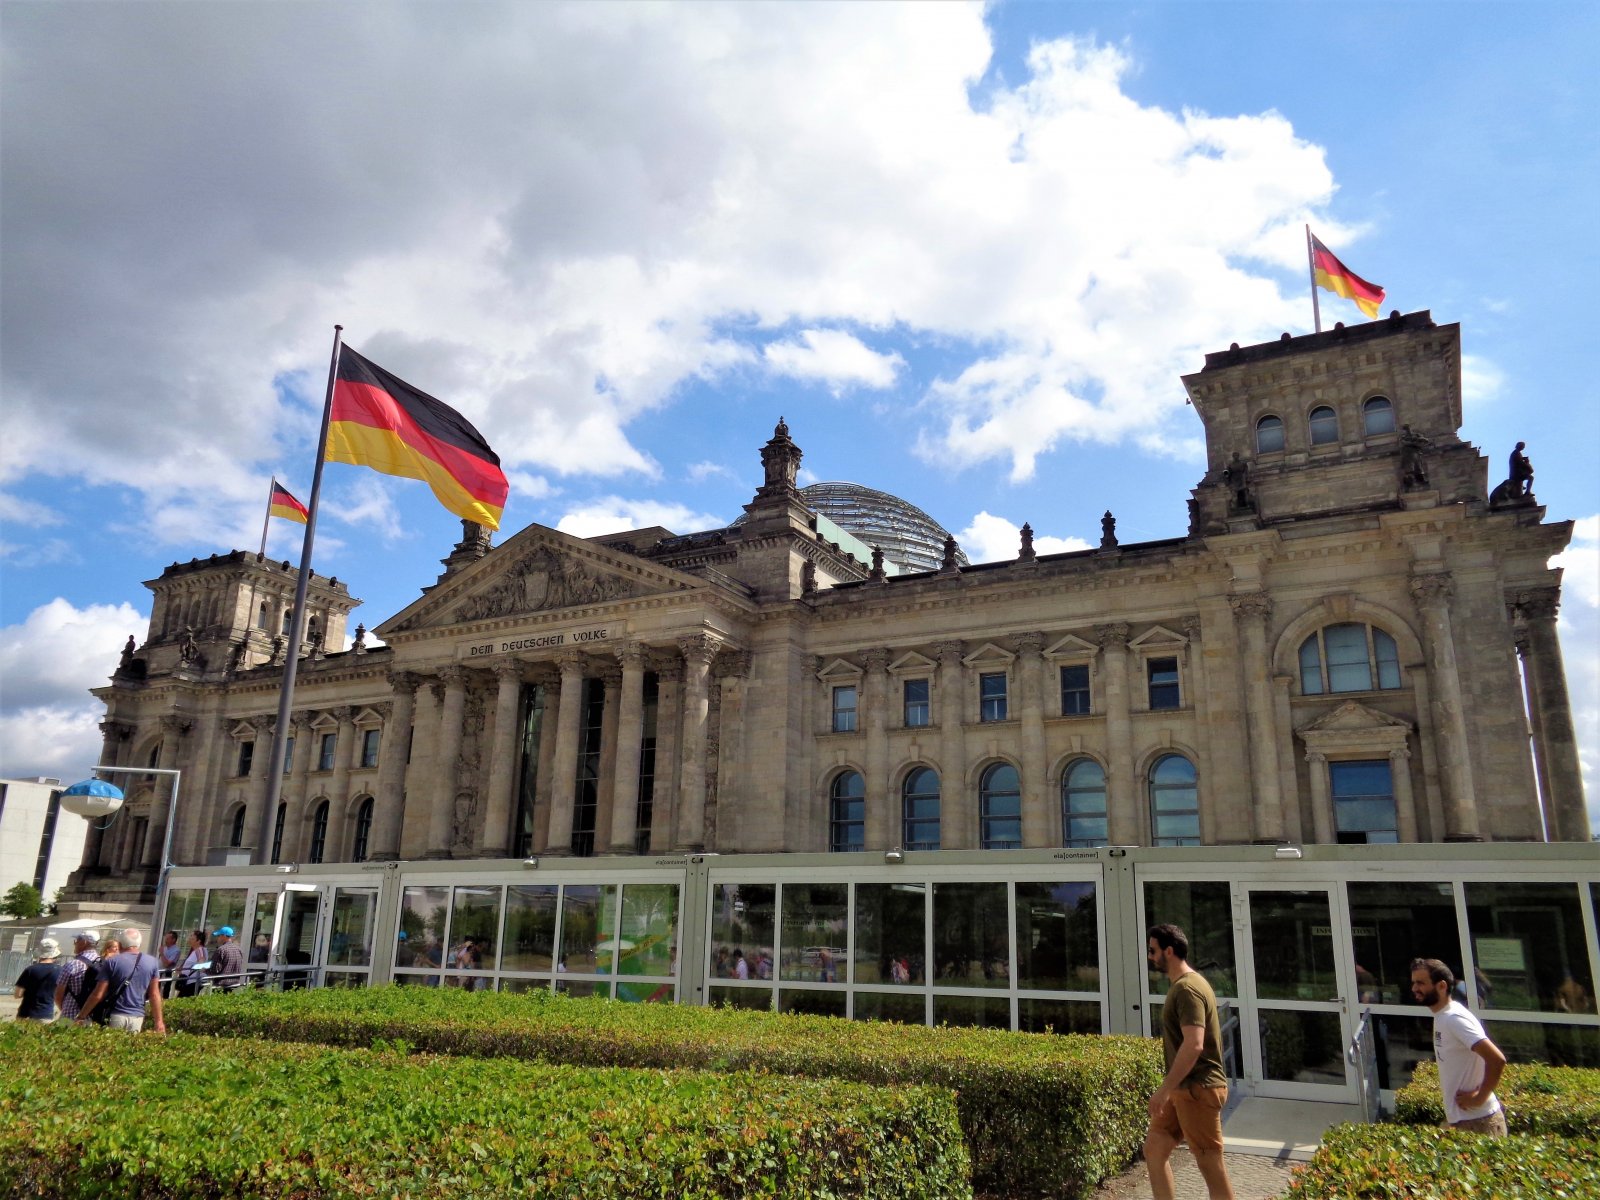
(286, 506)
(1333, 276)
(382, 422)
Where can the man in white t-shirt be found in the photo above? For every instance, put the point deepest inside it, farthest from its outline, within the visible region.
(1470, 1065)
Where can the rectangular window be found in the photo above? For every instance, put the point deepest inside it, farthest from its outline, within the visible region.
(1163, 683)
(844, 710)
(916, 699)
(247, 755)
(1075, 690)
(992, 697)
(288, 755)
(1363, 802)
(369, 747)
(330, 742)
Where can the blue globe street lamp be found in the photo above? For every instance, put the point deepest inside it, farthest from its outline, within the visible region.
(95, 798)
(92, 798)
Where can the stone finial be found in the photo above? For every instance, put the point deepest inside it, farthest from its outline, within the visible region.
(1108, 531)
(360, 645)
(949, 565)
(780, 461)
(877, 574)
(1026, 553)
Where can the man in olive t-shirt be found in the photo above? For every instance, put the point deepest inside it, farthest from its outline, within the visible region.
(1188, 1104)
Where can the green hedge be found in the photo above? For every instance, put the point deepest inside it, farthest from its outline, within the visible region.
(89, 1113)
(1042, 1115)
(1564, 1101)
(1403, 1162)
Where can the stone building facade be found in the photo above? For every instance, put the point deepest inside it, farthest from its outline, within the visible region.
(1353, 641)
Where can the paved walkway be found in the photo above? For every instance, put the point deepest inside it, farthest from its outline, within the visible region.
(1253, 1178)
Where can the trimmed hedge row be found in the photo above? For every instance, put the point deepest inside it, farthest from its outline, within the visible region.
(1042, 1115)
(1564, 1101)
(1404, 1162)
(88, 1113)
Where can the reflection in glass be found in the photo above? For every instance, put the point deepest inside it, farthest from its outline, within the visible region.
(530, 928)
(814, 924)
(1301, 1047)
(1057, 1016)
(742, 922)
(1392, 923)
(649, 944)
(424, 912)
(1204, 911)
(523, 985)
(186, 909)
(588, 926)
(971, 935)
(1528, 947)
(583, 987)
(260, 951)
(905, 1008)
(344, 979)
(889, 932)
(817, 1003)
(982, 1012)
(225, 906)
(474, 929)
(1401, 1043)
(655, 991)
(1291, 937)
(350, 934)
(759, 999)
(1058, 937)
(1560, 1045)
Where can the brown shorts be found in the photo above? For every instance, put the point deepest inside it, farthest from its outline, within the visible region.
(1194, 1116)
(1494, 1124)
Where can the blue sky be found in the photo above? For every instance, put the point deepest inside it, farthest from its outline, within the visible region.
(965, 251)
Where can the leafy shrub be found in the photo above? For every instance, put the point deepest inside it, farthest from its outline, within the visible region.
(1403, 1162)
(1564, 1101)
(1042, 1115)
(86, 1113)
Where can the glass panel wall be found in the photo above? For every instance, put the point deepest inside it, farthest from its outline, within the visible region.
(186, 909)
(350, 935)
(1204, 911)
(971, 936)
(1529, 948)
(225, 906)
(530, 937)
(742, 918)
(889, 933)
(1058, 938)
(1392, 923)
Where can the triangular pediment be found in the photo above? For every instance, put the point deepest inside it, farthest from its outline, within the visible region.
(539, 570)
(989, 655)
(1157, 636)
(1352, 715)
(839, 670)
(912, 663)
(1072, 646)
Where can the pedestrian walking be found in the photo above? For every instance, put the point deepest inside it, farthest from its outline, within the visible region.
(127, 980)
(36, 986)
(1470, 1065)
(77, 978)
(1188, 1104)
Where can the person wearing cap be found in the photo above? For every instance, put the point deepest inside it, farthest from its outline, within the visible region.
(227, 961)
(127, 980)
(36, 986)
(77, 978)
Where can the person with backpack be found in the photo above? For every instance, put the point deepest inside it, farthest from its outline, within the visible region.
(78, 973)
(36, 986)
(125, 983)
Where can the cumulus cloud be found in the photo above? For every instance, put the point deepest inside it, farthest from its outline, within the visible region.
(701, 471)
(48, 720)
(613, 514)
(833, 357)
(1482, 382)
(994, 539)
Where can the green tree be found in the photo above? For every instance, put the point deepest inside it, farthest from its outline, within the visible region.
(23, 900)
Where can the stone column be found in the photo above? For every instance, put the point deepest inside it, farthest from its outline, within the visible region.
(880, 827)
(113, 736)
(1321, 799)
(548, 679)
(299, 783)
(958, 812)
(669, 724)
(442, 813)
(1038, 828)
(1122, 795)
(723, 809)
(564, 768)
(1405, 804)
(494, 839)
(1555, 743)
(260, 761)
(194, 813)
(1432, 592)
(630, 739)
(1199, 698)
(346, 752)
(1535, 730)
(605, 781)
(389, 811)
(1288, 782)
(698, 651)
(1251, 611)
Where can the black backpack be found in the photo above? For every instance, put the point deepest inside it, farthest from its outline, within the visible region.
(86, 984)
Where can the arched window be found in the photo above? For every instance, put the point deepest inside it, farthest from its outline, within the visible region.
(1341, 658)
(1377, 416)
(1000, 808)
(1083, 804)
(358, 847)
(236, 829)
(919, 809)
(1269, 435)
(1324, 423)
(311, 629)
(319, 833)
(155, 756)
(1174, 802)
(277, 831)
(288, 615)
(261, 616)
(847, 812)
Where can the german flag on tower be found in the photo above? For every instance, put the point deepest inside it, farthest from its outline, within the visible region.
(282, 504)
(382, 422)
(1332, 275)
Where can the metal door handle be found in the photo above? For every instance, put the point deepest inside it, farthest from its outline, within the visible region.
(1335, 1000)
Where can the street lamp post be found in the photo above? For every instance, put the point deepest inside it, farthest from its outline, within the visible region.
(89, 802)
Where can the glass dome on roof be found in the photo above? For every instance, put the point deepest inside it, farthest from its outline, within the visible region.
(908, 536)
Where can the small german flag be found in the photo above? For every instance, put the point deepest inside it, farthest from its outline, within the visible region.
(286, 506)
(382, 422)
(1332, 275)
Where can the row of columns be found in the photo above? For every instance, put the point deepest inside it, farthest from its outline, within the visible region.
(1555, 744)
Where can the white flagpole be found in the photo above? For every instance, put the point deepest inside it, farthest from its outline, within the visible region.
(1311, 264)
(297, 623)
(272, 488)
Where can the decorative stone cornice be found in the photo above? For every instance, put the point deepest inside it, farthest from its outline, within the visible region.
(699, 648)
(120, 730)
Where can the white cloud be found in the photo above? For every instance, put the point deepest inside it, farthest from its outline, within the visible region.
(1579, 627)
(49, 662)
(1482, 382)
(613, 514)
(994, 539)
(41, 554)
(701, 471)
(29, 512)
(834, 357)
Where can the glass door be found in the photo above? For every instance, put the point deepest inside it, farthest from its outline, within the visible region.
(296, 948)
(1298, 988)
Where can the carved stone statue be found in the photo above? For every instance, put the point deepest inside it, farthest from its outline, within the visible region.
(1413, 471)
(278, 647)
(544, 579)
(949, 563)
(360, 644)
(1521, 473)
(188, 648)
(1027, 552)
(1237, 476)
(1108, 531)
(878, 574)
(808, 577)
(127, 654)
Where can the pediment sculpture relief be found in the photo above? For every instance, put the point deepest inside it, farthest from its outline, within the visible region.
(545, 579)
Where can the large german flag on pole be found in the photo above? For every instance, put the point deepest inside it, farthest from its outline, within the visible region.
(382, 422)
(1328, 273)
